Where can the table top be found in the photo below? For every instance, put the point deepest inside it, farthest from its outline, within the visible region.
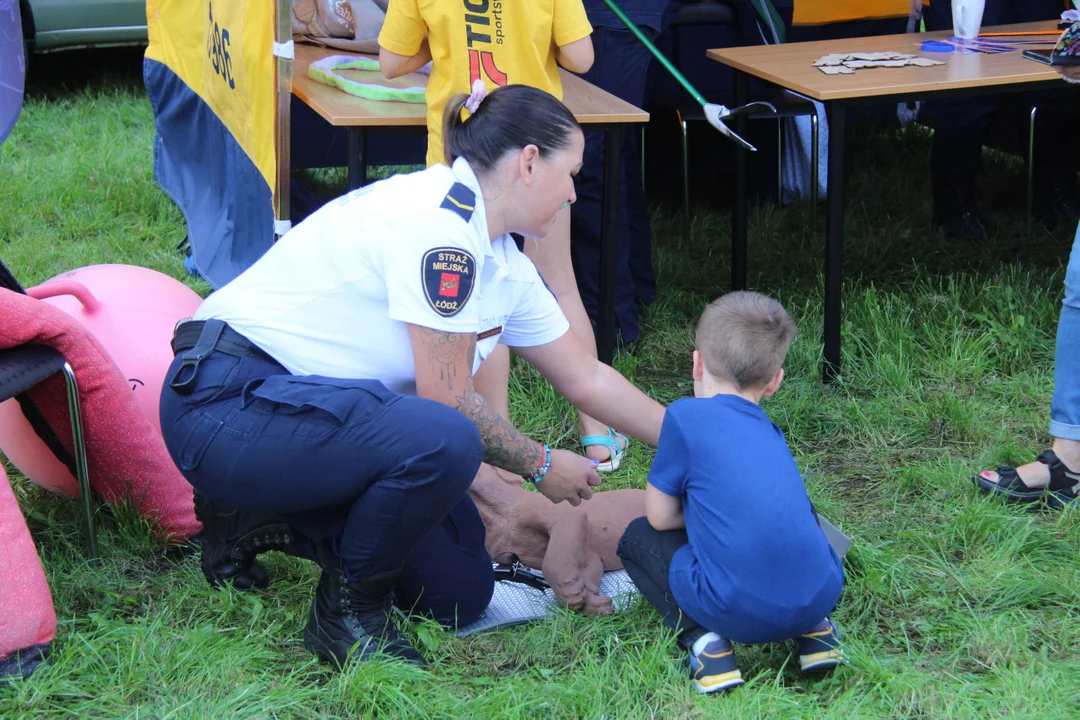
(589, 103)
(791, 65)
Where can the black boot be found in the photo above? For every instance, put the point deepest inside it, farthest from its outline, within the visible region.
(1056, 198)
(352, 620)
(231, 539)
(955, 210)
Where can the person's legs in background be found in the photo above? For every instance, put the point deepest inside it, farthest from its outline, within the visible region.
(1018, 483)
(621, 68)
(551, 255)
(956, 150)
(960, 127)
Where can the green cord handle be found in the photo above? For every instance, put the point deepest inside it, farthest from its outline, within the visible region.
(656, 53)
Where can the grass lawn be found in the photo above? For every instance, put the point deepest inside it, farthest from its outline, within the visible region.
(956, 605)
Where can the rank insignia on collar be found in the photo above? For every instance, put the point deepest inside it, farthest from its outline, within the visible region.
(448, 275)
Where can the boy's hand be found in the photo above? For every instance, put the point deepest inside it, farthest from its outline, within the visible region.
(571, 477)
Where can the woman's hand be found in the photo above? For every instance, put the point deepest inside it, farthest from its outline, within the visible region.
(571, 477)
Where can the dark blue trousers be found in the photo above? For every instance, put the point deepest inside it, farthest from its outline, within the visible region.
(621, 68)
(382, 476)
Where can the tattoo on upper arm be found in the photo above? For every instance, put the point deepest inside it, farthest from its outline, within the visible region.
(444, 350)
(506, 448)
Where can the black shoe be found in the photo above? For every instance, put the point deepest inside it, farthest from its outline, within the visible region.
(955, 211)
(352, 620)
(1057, 201)
(231, 539)
(964, 223)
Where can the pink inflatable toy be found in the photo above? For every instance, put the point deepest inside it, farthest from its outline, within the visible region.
(131, 311)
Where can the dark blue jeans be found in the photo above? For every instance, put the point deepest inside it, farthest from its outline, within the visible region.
(382, 476)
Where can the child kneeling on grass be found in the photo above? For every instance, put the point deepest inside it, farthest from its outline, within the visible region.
(730, 548)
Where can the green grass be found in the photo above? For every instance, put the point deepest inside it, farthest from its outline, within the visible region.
(956, 605)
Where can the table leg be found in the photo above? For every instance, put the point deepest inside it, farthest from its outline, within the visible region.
(834, 240)
(609, 244)
(357, 157)
(739, 208)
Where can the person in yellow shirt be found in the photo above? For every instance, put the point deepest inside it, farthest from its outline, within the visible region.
(503, 43)
(498, 42)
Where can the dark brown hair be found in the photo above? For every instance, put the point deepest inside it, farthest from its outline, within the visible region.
(508, 119)
(743, 337)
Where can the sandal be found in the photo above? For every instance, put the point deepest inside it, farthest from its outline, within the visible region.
(1059, 492)
(1064, 483)
(615, 451)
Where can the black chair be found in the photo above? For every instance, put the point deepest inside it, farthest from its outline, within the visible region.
(25, 366)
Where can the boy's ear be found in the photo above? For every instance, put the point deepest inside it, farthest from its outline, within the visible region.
(699, 366)
(774, 384)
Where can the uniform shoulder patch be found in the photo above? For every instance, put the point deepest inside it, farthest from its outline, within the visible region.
(461, 200)
(448, 275)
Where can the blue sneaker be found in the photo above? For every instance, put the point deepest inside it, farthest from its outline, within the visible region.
(819, 649)
(712, 664)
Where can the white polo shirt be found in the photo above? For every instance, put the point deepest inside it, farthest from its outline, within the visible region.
(334, 296)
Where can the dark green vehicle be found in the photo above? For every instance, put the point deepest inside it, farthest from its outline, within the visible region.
(66, 24)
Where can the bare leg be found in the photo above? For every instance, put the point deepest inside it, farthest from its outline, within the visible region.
(492, 380)
(551, 256)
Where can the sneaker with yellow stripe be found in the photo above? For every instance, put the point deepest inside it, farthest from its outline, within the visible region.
(819, 649)
(712, 664)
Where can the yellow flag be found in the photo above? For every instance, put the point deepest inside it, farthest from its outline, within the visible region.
(223, 51)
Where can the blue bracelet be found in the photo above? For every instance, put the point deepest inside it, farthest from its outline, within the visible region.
(537, 476)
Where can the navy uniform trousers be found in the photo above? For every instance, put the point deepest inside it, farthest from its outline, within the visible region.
(382, 476)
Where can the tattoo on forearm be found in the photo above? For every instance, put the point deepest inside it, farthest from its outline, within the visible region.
(506, 448)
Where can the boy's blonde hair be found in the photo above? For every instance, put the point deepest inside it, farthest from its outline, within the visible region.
(743, 337)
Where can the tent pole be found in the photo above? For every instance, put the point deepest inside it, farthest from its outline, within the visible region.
(283, 160)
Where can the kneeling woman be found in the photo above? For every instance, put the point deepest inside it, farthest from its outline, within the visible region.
(323, 402)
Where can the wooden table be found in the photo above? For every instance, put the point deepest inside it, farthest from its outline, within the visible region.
(593, 107)
(791, 67)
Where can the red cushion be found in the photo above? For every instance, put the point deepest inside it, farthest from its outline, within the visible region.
(27, 617)
(125, 454)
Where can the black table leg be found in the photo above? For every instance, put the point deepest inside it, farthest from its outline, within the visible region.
(357, 157)
(834, 240)
(739, 208)
(609, 244)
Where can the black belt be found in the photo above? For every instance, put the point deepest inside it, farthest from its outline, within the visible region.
(187, 334)
(197, 339)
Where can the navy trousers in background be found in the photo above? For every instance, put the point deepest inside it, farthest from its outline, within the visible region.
(621, 68)
(382, 476)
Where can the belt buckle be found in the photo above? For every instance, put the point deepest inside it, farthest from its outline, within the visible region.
(180, 322)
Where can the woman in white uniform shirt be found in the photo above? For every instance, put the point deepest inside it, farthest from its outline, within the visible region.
(323, 402)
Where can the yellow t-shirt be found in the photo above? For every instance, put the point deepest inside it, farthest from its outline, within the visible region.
(501, 41)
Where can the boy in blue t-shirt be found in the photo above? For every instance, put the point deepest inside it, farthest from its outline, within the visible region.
(730, 548)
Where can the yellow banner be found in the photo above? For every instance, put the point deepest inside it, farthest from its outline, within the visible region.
(820, 12)
(223, 51)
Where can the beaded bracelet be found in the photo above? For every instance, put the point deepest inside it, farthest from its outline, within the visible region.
(542, 471)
